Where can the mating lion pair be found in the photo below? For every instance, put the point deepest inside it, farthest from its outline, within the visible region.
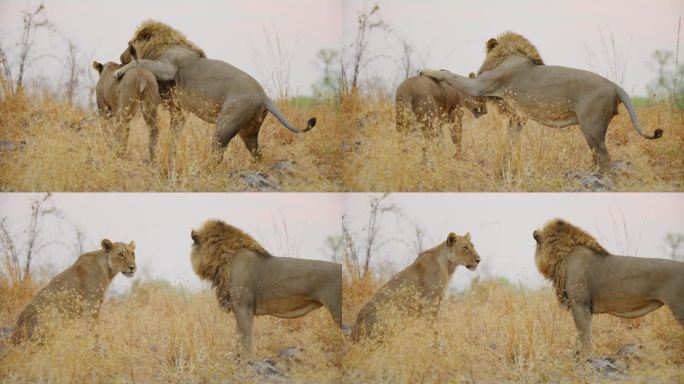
(514, 77)
(213, 90)
(247, 279)
(588, 280)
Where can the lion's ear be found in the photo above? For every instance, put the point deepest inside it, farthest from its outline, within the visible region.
(194, 236)
(537, 236)
(132, 244)
(451, 239)
(98, 67)
(471, 75)
(107, 245)
(467, 236)
(133, 52)
(491, 43)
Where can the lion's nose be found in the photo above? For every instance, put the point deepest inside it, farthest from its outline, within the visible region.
(131, 269)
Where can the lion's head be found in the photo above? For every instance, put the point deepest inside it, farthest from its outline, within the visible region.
(214, 244)
(461, 251)
(152, 38)
(555, 241)
(507, 44)
(120, 257)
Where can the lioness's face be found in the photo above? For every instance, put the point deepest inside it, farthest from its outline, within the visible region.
(120, 256)
(462, 251)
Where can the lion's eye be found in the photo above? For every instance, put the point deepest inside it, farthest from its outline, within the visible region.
(121, 255)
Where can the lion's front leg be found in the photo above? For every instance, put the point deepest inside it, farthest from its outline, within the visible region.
(163, 70)
(582, 316)
(244, 316)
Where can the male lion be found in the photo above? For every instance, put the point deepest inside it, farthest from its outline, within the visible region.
(429, 101)
(427, 278)
(213, 90)
(551, 95)
(588, 279)
(80, 289)
(250, 281)
(122, 98)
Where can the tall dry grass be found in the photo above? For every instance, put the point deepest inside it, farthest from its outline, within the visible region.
(355, 147)
(161, 334)
(59, 147)
(549, 159)
(497, 333)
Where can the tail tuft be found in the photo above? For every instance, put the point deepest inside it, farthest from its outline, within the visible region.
(311, 123)
(658, 133)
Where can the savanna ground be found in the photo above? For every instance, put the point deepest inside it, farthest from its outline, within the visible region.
(549, 159)
(499, 333)
(161, 334)
(51, 146)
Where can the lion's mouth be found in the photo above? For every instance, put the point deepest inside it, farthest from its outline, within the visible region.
(128, 274)
(472, 267)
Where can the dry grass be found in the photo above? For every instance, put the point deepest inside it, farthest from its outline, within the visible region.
(165, 335)
(355, 148)
(550, 159)
(62, 148)
(496, 333)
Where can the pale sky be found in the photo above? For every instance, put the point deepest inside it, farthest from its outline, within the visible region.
(297, 225)
(286, 224)
(501, 225)
(445, 33)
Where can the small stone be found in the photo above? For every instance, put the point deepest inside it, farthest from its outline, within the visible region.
(291, 353)
(266, 367)
(346, 329)
(6, 145)
(261, 181)
(283, 166)
(629, 350)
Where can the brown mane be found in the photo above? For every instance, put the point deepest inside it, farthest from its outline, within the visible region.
(153, 38)
(507, 44)
(558, 239)
(218, 244)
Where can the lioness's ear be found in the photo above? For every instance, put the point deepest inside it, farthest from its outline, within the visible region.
(537, 236)
(467, 236)
(471, 75)
(451, 239)
(194, 236)
(98, 67)
(106, 244)
(132, 244)
(491, 43)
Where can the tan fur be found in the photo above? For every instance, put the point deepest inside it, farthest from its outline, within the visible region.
(79, 290)
(249, 281)
(213, 90)
(514, 72)
(589, 280)
(508, 44)
(121, 99)
(559, 239)
(153, 38)
(419, 288)
(425, 103)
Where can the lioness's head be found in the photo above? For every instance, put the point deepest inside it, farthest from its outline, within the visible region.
(120, 257)
(461, 251)
(105, 69)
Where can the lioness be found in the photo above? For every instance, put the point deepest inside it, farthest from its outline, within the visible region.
(428, 278)
(80, 289)
(122, 99)
(250, 281)
(589, 280)
(214, 90)
(551, 95)
(429, 101)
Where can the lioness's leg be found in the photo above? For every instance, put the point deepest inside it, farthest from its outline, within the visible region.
(456, 128)
(582, 317)
(149, 112)
(244, 317)
(123, 126)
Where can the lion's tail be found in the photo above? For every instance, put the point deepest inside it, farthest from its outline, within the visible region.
(271, 107)
(624, 98)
